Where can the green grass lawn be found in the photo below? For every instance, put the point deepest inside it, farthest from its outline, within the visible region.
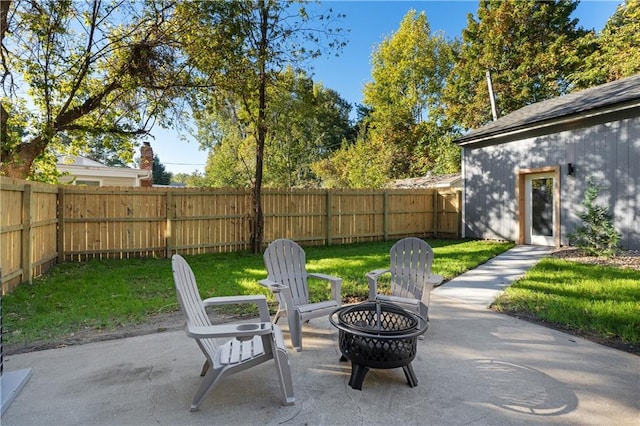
(106, 294)
(592, 300)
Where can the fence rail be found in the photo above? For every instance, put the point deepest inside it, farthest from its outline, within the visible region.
(41, 225)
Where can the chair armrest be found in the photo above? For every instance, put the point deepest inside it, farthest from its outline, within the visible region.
(336, 285)
(435, 279)
(430, 283)
(243, 331)
(324, 277)
(259, 299)
(375, 274)
(372, 279)
(274, 286)
(284, 298)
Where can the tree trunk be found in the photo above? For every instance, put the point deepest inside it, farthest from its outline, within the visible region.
(257, 221)
(17, 163)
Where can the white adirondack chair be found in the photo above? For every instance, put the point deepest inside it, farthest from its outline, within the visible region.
(250, 344)
(411, 277)
(287, 279)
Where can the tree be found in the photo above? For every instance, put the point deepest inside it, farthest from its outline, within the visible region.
(306, 123)
(194, 180)
(259, 38)
(362, 164)
(231, 163)
(408, 73)
(90, 69)
(612, 54)
(524, 45)
(160, 175)
(597, 235)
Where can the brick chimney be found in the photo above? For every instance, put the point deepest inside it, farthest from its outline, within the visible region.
(146, 163)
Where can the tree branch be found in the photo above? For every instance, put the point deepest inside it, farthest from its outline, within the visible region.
(111, 130)
(84, 68)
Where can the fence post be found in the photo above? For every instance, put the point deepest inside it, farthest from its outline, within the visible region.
(169, 214)
(60, 236)
(329, 219)
(385, 215)
(436, 194)
(25, 258)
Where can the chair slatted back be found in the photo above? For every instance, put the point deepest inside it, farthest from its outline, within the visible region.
(411, 260)
(285, 262)
(190, 300)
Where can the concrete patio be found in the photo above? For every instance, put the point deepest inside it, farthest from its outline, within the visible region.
(474, 367)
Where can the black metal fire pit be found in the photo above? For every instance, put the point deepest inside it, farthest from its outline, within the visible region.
(378, 335)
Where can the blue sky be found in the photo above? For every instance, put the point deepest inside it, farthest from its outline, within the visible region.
(369, 23)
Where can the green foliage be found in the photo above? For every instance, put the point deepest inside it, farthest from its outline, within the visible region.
(194, 180)
(524, 45)
(231, 163)
(109, 149)
(89, 69)
(597, 235)
(408, 73)
(612, 54)
(45, 169)
(306, 124)
(363, 164)
(160, 175)
(593, 299)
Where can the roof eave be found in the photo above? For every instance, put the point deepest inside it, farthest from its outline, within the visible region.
(540, 125)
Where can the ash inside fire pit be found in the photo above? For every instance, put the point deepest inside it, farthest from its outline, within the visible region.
(378, 335)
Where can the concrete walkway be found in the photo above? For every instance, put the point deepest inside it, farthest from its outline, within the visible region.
(475, 367)
(482, 285)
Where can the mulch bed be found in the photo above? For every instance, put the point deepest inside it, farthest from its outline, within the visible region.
(624, 259)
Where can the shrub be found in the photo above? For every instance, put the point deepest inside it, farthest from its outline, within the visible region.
(597, 236)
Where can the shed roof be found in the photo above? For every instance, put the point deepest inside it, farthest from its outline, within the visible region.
(617, 94)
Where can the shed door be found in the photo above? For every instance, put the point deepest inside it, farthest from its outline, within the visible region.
(539, 209)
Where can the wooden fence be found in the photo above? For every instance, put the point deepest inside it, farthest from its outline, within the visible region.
(41, 225)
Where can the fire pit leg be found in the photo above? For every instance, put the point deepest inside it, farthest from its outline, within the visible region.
(410, 375)
(357, 375)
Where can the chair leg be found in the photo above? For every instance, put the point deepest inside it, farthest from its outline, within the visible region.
(281, 359)
(423, 311)
(208, 383)
(295, 330)
(205, 368)
(277, 316)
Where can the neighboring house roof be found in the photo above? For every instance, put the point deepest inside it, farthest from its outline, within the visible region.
(77, 160)
(614, 96)
(84, 168)
(429, 181)
(171, 185)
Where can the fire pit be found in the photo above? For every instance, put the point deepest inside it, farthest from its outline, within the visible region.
(378, 335)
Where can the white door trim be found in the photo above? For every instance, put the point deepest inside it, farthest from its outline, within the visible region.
(520, 197)
(530, 236)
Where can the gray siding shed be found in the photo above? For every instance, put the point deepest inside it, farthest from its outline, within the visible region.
(596, 130)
